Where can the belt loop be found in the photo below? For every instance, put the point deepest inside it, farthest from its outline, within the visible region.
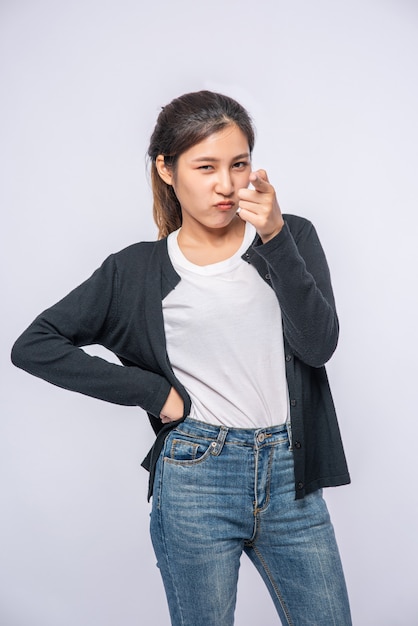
(216, 446)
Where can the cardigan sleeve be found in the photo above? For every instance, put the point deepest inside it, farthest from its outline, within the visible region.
(300, 276)
(51, 347)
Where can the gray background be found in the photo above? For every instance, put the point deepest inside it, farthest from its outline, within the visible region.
(332, 87)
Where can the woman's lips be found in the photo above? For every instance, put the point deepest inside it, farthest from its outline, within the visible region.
(224, 206)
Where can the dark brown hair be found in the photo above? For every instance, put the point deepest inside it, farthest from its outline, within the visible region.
(184, 122)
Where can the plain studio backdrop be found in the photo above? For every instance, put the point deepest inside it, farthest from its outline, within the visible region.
(333, 89)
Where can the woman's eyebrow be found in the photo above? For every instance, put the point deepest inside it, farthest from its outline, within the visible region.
(244, 155)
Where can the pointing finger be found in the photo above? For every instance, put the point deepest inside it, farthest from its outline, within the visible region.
(259, 180)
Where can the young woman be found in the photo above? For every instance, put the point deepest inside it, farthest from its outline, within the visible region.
(223, 327)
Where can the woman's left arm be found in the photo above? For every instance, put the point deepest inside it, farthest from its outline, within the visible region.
(300, 277)
(298, 271)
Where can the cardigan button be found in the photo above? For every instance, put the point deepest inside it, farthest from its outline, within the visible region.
(298, 445)
(288, 357)
(267, 277)
(293, 402)
(300, 486)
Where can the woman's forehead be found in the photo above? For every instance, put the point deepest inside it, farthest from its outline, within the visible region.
(230, 141)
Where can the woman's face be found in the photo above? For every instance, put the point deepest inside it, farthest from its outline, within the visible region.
(208, 176)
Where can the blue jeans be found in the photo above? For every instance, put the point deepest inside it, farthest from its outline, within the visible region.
(221, 491)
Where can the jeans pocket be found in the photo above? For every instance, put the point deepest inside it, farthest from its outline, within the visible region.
(187, 451)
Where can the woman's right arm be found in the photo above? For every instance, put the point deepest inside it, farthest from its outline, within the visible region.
(51, 347)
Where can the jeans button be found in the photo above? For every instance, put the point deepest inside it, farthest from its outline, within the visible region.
(261, 437)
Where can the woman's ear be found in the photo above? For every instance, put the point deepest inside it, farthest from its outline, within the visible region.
(165, 172)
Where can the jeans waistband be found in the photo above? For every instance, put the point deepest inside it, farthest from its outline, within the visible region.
(241, 436)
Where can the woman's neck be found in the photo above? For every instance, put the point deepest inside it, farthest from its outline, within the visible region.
(207, 246)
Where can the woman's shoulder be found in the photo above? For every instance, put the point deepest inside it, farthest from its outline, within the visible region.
(139, 260)
(300, 227)
(296, 222)
(140, 251)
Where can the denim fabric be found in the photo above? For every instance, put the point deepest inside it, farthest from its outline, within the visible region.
(219, 492)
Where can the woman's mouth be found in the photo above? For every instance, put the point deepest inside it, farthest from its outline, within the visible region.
(224, 206)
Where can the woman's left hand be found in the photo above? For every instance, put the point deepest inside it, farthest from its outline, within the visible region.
(259, 206)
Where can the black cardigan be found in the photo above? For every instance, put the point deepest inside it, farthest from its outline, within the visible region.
(120, 308)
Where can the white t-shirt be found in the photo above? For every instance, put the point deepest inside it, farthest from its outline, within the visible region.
(225, 341)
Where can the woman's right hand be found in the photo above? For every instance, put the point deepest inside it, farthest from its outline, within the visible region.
(173, 408)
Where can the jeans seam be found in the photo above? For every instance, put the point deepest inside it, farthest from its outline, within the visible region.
(160, 477)
(163, 537)
(325, 583)
(274, 586)
(192, 436)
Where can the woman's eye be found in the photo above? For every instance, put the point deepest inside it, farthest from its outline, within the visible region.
(240, 165)
(205, 167)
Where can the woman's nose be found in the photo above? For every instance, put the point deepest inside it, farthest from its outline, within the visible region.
(224, 184)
